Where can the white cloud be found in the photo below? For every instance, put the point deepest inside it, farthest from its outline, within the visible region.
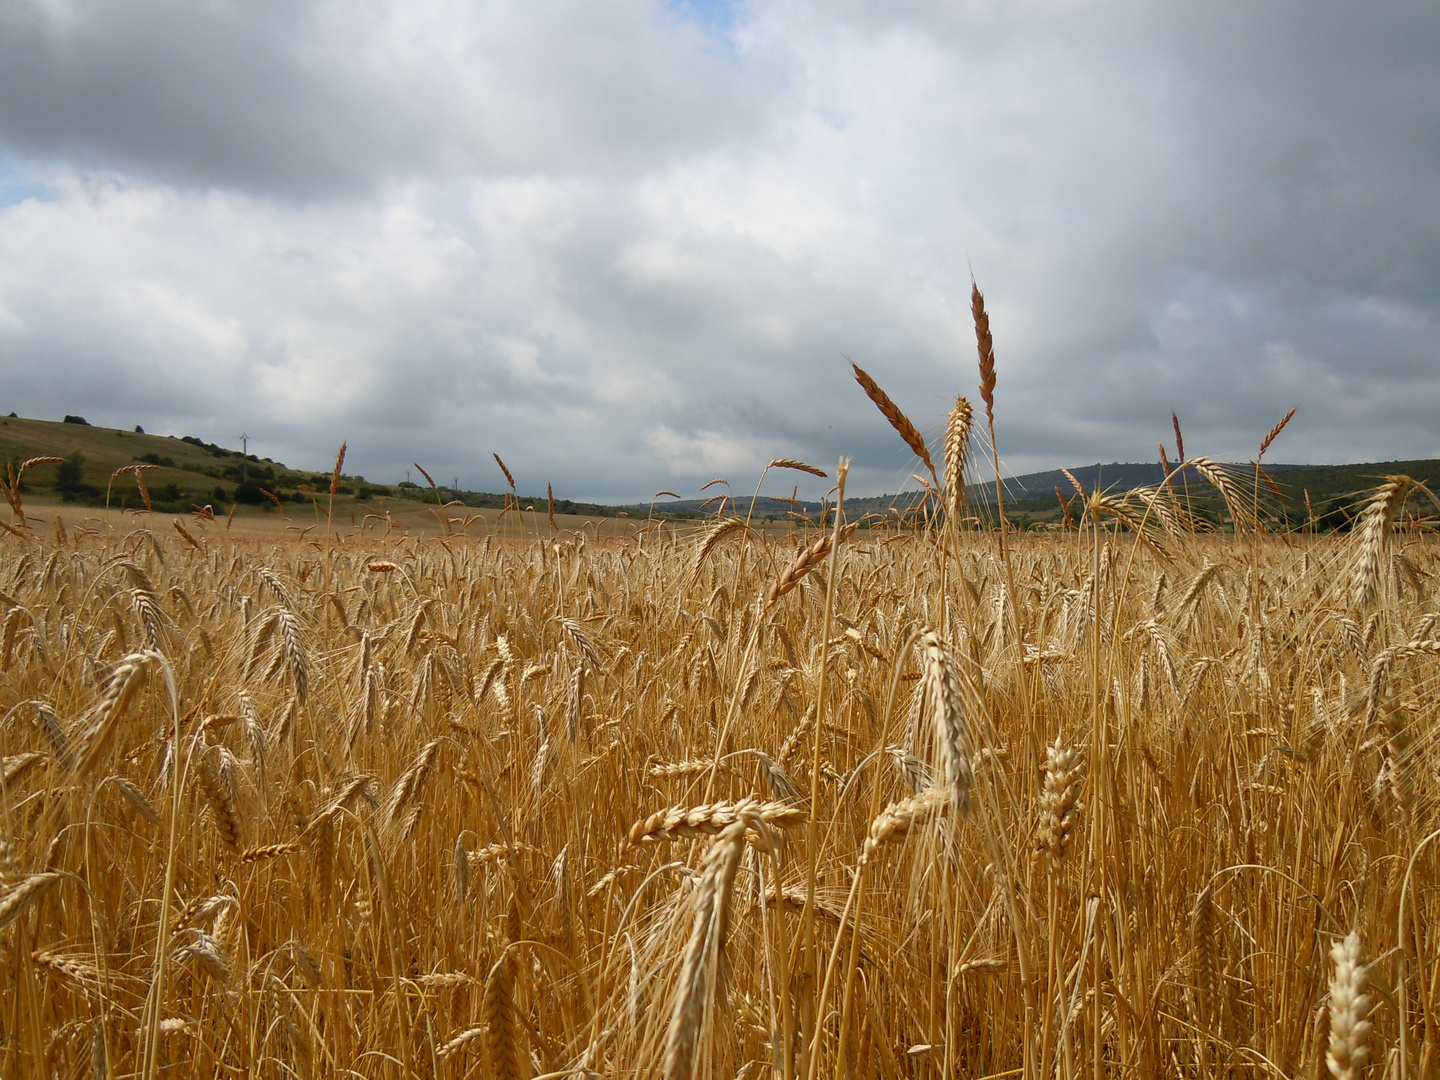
(630, 250)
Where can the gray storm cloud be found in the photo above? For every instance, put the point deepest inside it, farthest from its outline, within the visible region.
(631, 249)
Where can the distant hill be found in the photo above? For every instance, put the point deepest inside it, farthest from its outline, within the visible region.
(1030, 499)
(1330, 492)
(1322, 481)
(190, 471)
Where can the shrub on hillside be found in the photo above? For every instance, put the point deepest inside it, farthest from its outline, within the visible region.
(70, 476)
(249, 494)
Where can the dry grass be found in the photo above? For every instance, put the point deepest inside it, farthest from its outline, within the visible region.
(693, 804)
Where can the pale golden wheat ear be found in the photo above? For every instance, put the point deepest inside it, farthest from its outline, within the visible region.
(19, 896)
(957, 450)
(898, 420)
(695, 993)
(897, 819)
(1060, 798)
(1221, 480)
(1349, 1051)
(1372, 537)
(699, 970)
(806, 561)
(718, 532)
(946, 702)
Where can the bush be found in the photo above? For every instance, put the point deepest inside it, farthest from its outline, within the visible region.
(70, 475)
(250, 494)
(1337, 516)
(76, 420)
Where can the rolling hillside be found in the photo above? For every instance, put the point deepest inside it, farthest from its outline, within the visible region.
(190, 471)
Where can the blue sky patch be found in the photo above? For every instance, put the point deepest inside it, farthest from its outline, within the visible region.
(16, 186)
(718, 15)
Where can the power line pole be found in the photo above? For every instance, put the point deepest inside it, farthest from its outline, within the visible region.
(244, 458)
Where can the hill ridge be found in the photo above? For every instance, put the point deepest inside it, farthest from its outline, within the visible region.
(190, 470)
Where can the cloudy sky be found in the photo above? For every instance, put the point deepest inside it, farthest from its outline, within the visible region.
(629, 244)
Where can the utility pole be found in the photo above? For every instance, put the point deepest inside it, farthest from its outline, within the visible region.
(244, 458)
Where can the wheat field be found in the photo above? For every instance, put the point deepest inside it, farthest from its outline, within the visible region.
(1130, 800)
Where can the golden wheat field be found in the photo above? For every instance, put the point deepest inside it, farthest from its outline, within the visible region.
(1129, 800)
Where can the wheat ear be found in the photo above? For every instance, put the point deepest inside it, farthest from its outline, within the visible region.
(1220, 480)
(295, 658)
(1349, 1009)
(1207, 961)
(898, 420)
(957, 449)
(411, 782)
(1377, 521)
(507, 1059)
(508, 478)
(717, 533)
(124, 684)
(806, 561)
(19, 897)
(217, 794)
(699, 971)
(1270, 438)
(1060, 798)
(896, 820)
(685, 823)
(798, 466)
(947, 710)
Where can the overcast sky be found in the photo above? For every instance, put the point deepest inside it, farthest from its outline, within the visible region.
(629, 244)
